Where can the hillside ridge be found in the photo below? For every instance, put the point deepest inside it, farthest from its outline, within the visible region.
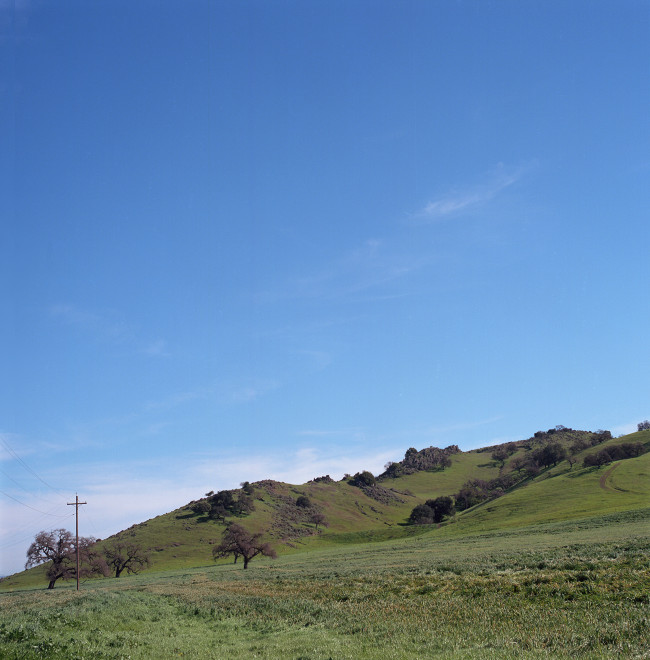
(542, 479)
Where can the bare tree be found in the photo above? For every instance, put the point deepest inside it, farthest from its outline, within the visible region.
(123, 556)
(58, 548)
(240, 542)
(317, 519)
(643, 426)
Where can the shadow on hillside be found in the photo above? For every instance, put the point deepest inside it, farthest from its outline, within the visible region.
(588, 470)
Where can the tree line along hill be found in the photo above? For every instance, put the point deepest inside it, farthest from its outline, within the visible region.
(559, 474)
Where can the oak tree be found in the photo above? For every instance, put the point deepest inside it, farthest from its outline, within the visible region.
(58, 548)
(239, 542)
(318, 518)
(123, 556)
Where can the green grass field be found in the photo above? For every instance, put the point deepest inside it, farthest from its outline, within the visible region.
(558, 567)
(559, 590)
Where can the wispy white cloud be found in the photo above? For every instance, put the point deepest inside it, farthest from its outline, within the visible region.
(107, 326)
(297, 467)
(320, 359)
(157, 349)
(155, 429)
(463, 425)
(314, 462)
(465, 199)
(222, 393)
(625, 428)
(176, 399)
(243, 391)
(366, 268)
(249, 392)
(103, 324)
(329, 433)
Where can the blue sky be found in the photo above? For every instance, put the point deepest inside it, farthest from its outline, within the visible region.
(282, 239)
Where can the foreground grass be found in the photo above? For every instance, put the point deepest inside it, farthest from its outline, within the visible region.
(561, 590)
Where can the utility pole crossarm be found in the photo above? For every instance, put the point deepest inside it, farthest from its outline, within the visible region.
(76, 504)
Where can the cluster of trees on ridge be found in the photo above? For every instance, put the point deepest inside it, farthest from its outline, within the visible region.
(218, 506)
(615, 453)
(475, 491)
(550, 451)
(223, 503)
(427, 459)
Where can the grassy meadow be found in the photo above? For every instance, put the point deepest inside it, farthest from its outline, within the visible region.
(558, 567)
(556, 590)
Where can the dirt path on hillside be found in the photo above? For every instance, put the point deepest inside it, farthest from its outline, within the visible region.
(604, 476)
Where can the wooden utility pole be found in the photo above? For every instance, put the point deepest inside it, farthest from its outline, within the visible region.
(76, 504)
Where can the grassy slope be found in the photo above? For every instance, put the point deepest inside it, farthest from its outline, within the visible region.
(181, 539)
(566, 495)
(560, 590)
(468, 465)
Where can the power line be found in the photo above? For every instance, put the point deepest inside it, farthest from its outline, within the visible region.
(31, 524)
(14, 481)
(24, 490)
(92, 524)
(54, 515)
(19, 485)
(13, 543)
(29, 469)
(10, 544)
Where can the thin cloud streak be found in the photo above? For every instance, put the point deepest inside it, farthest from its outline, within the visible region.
(377, 263)
(106, 326)
(324, 433)
(458, 201)
(464, 426)
(157, 349)
(370, 266)
(319, 359)
(625, 428)
(222, 393)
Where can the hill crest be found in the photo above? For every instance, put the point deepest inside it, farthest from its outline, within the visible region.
(352, 510)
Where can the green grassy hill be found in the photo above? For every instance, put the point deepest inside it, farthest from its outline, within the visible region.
(183, 539)
(562, 590)
(566, 495)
